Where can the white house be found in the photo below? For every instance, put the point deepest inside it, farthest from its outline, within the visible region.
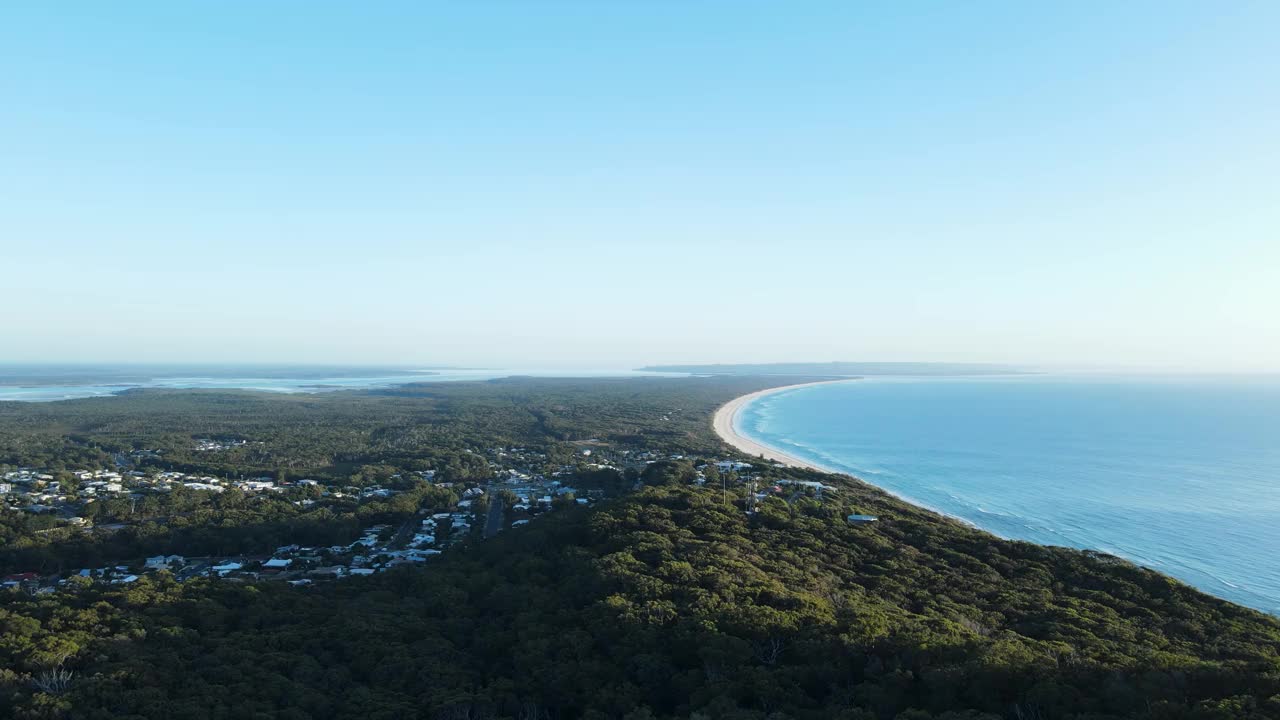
(161, 562)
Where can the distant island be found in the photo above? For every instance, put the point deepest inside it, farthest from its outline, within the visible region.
(846, 369)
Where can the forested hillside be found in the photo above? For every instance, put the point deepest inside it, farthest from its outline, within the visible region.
(670, 604)
(335, 433)
(672, 601)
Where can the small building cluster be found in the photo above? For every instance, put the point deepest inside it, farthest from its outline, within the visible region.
(210, 445)
(522, 488)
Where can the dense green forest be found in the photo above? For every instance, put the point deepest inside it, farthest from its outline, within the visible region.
(332, 434)
(670, 601)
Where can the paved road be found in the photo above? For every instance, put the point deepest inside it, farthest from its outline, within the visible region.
(405, 533)
(493, 523)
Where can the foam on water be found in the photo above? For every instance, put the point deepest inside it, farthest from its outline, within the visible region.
(1181, 475)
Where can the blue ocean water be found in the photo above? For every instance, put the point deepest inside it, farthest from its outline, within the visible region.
(1177, 474)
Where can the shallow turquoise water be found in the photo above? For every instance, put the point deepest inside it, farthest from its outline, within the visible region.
(1181, 475)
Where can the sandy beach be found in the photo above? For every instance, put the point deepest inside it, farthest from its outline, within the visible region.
(726, 416)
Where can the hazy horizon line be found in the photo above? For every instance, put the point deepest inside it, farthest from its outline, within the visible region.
(1041, 368)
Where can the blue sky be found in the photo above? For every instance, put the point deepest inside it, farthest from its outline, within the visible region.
(615, 183)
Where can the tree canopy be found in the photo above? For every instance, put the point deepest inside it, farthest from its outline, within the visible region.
(667, 601)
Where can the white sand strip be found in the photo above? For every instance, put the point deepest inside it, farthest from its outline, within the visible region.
(725, 421)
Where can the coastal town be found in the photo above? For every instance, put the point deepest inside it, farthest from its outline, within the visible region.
(74, 499)
(98, 502)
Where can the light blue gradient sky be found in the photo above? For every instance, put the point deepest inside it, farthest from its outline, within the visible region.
(615, 183)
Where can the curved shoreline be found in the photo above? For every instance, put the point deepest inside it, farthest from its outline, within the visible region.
(725, 420)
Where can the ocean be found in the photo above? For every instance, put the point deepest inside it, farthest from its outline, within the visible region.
(1177, 474)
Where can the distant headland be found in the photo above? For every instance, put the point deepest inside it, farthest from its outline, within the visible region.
(847, 369)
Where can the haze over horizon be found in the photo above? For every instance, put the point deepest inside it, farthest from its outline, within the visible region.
(588, 185)
(14, 372)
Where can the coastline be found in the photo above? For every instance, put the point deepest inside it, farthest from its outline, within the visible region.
(725, 419)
